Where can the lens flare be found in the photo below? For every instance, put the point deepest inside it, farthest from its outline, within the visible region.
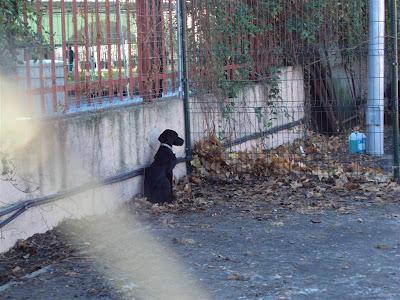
(17, 129)
(138, 265)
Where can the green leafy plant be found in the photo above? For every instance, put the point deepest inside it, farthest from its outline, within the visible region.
(15, 31)
(267, 113)
(230, 62)
(234, 44)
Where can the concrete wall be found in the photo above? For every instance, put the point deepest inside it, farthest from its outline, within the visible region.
(76, 149)
(69, 151)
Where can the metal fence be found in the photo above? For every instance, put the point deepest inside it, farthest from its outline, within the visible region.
(281, 84)
(98, 52)
(262, 74)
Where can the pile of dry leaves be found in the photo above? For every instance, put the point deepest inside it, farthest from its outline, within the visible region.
(308, 174)
(318, 157)
(33, 254)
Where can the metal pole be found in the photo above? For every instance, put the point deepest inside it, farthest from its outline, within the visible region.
(179, 21)
(376, 61)
(395, 93)
(184, 82)
(123, 44)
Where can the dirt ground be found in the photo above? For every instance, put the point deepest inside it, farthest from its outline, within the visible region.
(270, 238)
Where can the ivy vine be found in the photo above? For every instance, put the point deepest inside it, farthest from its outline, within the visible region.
(15, 33)
(222, 36)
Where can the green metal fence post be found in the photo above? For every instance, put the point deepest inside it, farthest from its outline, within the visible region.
(395, 100)
(184, 78)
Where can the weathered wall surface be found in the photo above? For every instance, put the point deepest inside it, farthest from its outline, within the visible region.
(73, 150)
(254, 112)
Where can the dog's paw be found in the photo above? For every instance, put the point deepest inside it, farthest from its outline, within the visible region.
(174, 179)
(173, 198)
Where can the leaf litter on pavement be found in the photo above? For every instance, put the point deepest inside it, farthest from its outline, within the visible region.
(309, 175)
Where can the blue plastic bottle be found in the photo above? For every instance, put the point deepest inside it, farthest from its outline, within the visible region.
(357, 142)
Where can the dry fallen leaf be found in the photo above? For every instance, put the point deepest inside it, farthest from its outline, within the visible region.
(183, 241)
(382, 247)
(236, 276)
(278, 224)
(16, 270)
(187, 188)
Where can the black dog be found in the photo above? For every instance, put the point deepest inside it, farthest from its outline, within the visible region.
(158, 177)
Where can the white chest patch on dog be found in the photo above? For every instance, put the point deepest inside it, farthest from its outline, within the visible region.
(166, 145)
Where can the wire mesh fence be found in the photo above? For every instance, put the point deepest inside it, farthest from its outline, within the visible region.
(282, 86)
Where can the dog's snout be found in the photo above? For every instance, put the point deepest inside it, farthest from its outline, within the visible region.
(179, 141)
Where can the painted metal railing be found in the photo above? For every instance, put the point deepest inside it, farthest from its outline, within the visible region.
(100, 52)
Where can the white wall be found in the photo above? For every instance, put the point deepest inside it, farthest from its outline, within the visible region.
(73, 150)
(244, 120)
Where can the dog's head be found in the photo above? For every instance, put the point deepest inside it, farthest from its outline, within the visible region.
(171, 138)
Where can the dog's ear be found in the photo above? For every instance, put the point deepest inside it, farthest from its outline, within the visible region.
(163, 137)
(167, 137)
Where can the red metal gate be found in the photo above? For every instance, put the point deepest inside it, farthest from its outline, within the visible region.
(100, 52)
